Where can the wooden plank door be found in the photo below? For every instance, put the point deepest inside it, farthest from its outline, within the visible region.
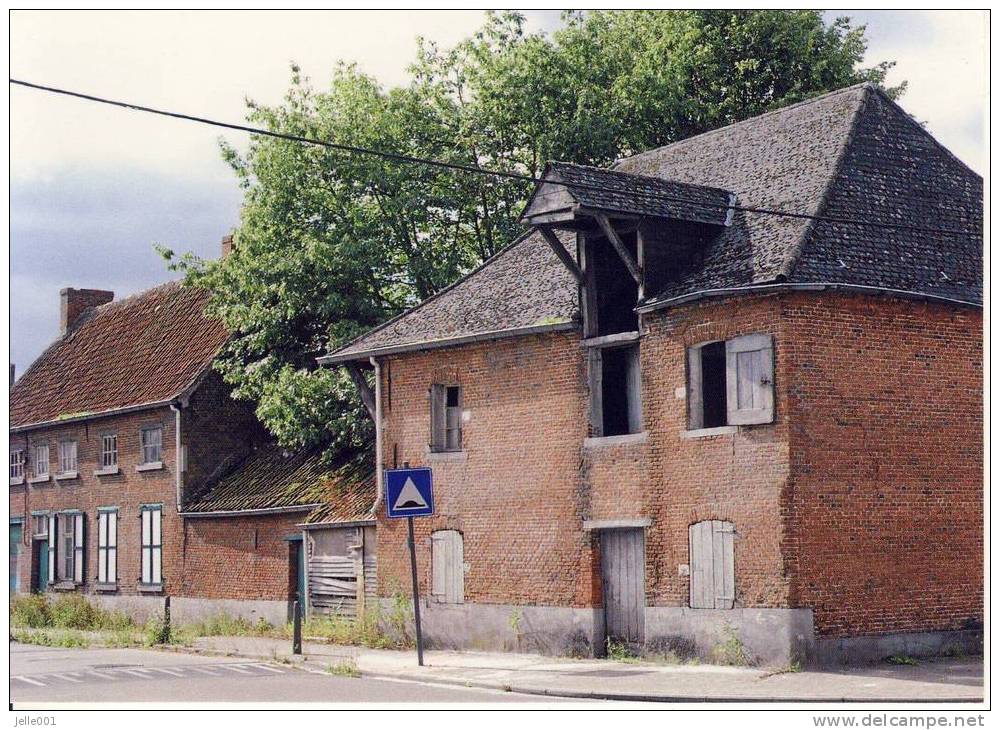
(623, 571)
(712, 570)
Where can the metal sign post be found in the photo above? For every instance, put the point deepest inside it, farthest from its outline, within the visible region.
(409, 494)
(416, 593)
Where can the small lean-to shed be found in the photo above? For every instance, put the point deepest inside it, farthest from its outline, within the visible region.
(340, 546)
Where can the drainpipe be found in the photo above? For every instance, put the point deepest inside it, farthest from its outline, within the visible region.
(378, 435)
(176, 408)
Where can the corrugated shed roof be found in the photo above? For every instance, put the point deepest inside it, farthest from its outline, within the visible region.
(851, 153)
(147, 348)
(273, 478)
(619, 192)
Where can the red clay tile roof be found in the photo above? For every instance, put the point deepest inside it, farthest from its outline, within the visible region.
(144, 349)
(273, 478)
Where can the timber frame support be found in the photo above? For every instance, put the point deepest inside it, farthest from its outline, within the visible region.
(568, 261)
(365, 390)
(612, 235)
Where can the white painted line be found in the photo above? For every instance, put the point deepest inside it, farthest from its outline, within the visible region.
(30, 681)
(67, 678)
(203, 671)
(235, 668)
(102, 675)
(167, 671)
(264, 666)
(137, 672)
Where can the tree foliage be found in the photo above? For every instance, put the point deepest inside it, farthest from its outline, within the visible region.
(330, 244)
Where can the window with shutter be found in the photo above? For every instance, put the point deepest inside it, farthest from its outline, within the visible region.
(447, 566)
(152, 547)
(712, 564)
(731, 383)
(107, 546)
(446, 418)
(78, 548)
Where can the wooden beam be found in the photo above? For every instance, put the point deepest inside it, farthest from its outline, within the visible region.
(623, 252)
(367, 396)
(561, 252)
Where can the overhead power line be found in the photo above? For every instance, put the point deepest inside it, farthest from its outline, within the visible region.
(441, 164)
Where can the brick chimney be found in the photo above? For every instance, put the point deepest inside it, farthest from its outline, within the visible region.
(227, 245)
(74, 302)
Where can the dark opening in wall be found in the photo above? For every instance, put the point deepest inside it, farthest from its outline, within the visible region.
(617, 292)
(620, 391)
(713, 384)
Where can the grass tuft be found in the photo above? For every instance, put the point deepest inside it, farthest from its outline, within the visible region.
(345, 668)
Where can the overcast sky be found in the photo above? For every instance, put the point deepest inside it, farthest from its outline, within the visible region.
(93, 188)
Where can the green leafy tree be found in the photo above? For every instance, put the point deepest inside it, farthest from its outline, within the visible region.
(330, 244)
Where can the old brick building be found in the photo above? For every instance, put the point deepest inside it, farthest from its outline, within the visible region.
(134, 475)
(666, 419)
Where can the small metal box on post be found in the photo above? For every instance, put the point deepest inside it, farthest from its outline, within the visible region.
(409, 494)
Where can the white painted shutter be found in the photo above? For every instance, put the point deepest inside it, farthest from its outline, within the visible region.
(713, 577)
(749, 380)
(448, 566)
(112, 570)
(147, 552)
(53, 541)
(156, 518)
(78, 548)
(102, 542)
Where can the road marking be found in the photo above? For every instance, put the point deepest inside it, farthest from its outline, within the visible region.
(235, 668)
(270, 669)
(168, 671)
(203, 671)
(137, 672)
(102, 675)
(67, 678)
(30, 681)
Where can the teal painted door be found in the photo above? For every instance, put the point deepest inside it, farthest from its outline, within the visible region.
(42, 566)
(15, 557)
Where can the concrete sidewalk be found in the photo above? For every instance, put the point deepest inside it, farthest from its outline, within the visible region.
(945, 680)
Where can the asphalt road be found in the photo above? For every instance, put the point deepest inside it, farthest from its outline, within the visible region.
(44, 677)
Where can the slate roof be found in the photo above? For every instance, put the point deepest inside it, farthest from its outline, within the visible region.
(852, 153)
(144, 349)
(620, 192)
(523, 288)
(273, 478)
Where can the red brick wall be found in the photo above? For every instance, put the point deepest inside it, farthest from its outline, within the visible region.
(863, 500)
(126, 490)
(239, 557)
(516, 497)
(215, 429)
(885, 514)
(737, 477)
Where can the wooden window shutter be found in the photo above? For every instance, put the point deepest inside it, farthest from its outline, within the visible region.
(634, 391)
(749, 380)
(712, 567)
(439, 561)
(438, 417)
(448, 566)
(696, 411)
(112, 553)
(102, 547)
(53, 541)
(78, 548)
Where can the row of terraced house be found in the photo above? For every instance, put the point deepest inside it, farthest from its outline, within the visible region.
(660, 418)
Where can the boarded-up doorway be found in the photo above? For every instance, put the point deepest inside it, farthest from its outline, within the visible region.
(623, 574)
